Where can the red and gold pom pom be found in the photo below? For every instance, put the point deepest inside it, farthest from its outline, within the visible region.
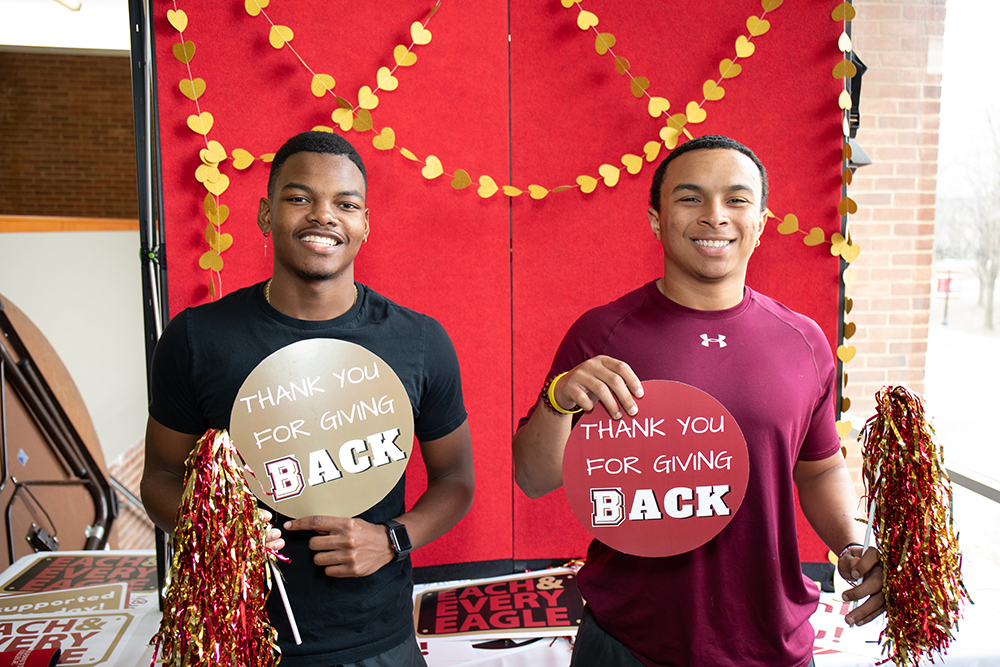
(905, 477)
(219, 579)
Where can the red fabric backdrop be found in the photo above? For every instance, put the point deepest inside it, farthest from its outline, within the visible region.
(505, 275)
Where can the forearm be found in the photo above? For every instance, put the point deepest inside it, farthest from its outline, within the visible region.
(161, 493)
(538, 451)
(830, 503)
(441, 506)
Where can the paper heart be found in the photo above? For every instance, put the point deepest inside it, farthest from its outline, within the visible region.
(712, 91)
(845, 404)
(587, 183)
(461, 180)
(192, 88)
(214, 154)
(219, 215)
(843, 385)
(814, 237)
(419, 33)
(789, 225)
(201, 123)
(385, 140)
(408, 154)
(322, 84)
(843, 428)
(837, 243)
(511, 191)
(253, 7)
(432, 167)
(639, 86)
(651, 150)
(851, 252)
(184, 52)
(844, 43)
(178, 19)
(633, 163)
(366, 98)
(213, 236)
(622, 65)
(218, 186)
(604, 42)
(343, 117)
(848, 277)
(610, 173)
(537, 191)
(728, 69)
(844, 12)
(846, 352)
(279, 35)
(487, 187)
(845, 100)
(844, 69)
(670, 136)
(770, 5)
(363, 121)
(848, 305)
(568, 3)
(586, 20)
(210, 261)
(757, 27)
(677, 122)
(744, 47)
(386, 81)
(403, 56)
(242, 159)
(658, 106)
(694, 113)
(847, 206)
(850, 328)
(847, 152)
(216, 241)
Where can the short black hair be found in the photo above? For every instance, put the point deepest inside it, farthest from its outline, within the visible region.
(314, 141)
(706, 142)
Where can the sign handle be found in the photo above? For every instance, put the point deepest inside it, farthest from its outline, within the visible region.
(284, 600)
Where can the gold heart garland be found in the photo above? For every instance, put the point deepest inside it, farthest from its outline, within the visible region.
(841, 246)
(359, 118)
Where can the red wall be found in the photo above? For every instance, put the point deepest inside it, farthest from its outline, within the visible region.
(506, 275)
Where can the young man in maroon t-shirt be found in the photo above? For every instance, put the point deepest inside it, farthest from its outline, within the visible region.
(741, 598)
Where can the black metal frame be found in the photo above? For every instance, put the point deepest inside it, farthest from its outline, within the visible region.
(152, 251)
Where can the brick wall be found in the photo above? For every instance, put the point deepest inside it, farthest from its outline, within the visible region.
(66, 137)
(899, 41)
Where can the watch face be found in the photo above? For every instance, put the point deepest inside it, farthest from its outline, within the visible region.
(400, 539)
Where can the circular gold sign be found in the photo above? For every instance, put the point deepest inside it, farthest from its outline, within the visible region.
(325, 426)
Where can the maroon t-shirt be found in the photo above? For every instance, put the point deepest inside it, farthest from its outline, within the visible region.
(740, 599)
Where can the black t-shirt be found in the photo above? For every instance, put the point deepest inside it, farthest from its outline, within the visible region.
(200, 364)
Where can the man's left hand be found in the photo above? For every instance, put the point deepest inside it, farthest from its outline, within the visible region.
(865, 568)
(346, 547)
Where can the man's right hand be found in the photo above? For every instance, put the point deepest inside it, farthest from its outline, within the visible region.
(601, 379)
(538, 445)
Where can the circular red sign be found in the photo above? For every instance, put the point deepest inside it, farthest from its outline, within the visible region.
(663, 482)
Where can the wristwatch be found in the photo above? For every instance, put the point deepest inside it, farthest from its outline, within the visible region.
(399, 539)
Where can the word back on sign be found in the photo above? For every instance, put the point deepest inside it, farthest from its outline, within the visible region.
(326, 427)
(663, 482)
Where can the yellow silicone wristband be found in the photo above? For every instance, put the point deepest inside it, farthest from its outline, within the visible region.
(552, 398)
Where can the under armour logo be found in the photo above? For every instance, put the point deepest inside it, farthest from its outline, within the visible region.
(705, 340)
